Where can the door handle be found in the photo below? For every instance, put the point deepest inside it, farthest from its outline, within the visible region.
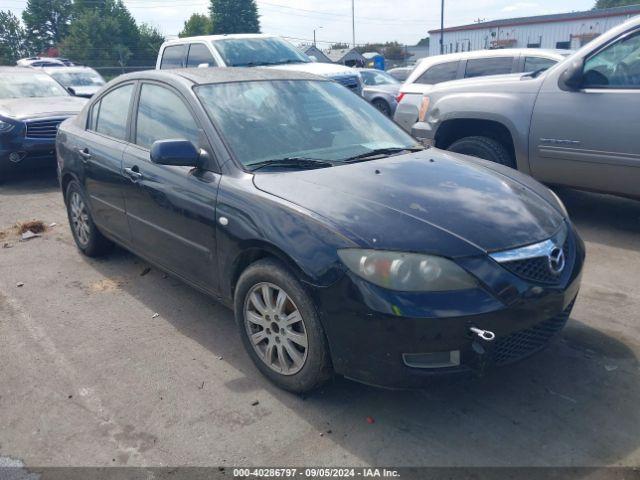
(84, 154)
(133, 173)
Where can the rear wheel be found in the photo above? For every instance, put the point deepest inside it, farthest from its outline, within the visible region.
(280, 328)
(485, 148)
(88, 238)
(382, 106)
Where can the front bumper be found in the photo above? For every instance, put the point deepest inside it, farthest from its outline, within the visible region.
(372, 332)
(425, 132)
(33, 153)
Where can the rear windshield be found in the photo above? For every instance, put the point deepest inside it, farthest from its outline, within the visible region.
(30, 85)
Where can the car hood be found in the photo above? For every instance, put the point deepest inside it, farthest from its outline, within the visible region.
(391, 88)
(429, 201)
(511, 83)
(24, 108)
(318, 68)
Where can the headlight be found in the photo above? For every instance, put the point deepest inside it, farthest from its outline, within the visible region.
(424, 108)
(563, 209)
(407, 272)
(5, 126)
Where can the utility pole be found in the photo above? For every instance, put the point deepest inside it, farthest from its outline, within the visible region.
(314, 35)
(353, 22)
(441, 27)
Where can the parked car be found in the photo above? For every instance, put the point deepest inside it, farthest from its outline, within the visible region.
(480, 63)
(575, 125)
(380, 89)
(401, 73)
(40, 62)
(32, 105)
(79, 81)
(249, 50)
(341, 244)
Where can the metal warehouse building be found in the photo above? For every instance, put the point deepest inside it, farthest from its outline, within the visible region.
(563, 30)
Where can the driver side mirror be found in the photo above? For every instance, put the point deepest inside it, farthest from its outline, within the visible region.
(181, 153)
(572, 78)
(72, 91)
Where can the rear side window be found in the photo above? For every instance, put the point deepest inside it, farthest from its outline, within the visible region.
(162, 115)
(481, 67)
(531, 64)
(199, 54)
(109, 116)
(173, 57)
(439, 73)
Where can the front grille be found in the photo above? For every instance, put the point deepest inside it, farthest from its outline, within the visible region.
(537, 269)
(43, 129)
(521, 344)
(349, 81)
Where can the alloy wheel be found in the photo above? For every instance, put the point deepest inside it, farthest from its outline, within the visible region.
(275, 328)
(79, 218)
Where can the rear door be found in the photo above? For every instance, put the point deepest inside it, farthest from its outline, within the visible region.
(173, 56)
(171, 210)
(590, 137)
(101, 150)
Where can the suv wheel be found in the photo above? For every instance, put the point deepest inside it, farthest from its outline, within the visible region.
(485, 148)
(280, 328)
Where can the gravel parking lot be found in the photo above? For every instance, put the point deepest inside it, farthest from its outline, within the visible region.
(90, 375)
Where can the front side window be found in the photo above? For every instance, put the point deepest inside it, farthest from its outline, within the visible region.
(439, 73)
(173, 57)
(534, 64)
(199, 54)
(252, 52)
(113, 110)
(273, 120)
(482, 67)
(162, 115)
(616, 66)
(30, 85)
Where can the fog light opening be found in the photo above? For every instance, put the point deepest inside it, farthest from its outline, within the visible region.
(432, 359)
(17, 157)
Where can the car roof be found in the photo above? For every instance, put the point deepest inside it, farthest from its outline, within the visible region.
(500, 52)
(208, 38)
(204, 76)
(75, 68)
(10, 70)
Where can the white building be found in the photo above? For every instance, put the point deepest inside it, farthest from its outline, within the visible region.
(563, 30)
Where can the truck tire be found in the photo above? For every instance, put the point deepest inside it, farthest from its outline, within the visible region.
(485, 148)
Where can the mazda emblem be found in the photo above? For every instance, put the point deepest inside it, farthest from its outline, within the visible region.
(556, 261)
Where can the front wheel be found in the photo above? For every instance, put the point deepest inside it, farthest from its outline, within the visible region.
(485, 148)
(280, 328)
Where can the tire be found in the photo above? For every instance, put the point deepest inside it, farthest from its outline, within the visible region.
(89, 240)
(382, 106)
(485, 148)
(278, 350)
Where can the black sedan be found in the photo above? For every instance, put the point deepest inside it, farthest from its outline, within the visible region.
(32, 105)
(342, 245)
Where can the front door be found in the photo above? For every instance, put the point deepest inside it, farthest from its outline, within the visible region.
(590, 137)
(171, 210)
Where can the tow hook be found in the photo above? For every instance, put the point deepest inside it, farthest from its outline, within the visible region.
(486, 335)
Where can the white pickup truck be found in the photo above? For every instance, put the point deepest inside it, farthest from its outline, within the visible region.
(249, 50)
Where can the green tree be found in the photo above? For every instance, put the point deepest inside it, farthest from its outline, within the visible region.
(46, 22)
(234, 16)
(424, 42)
(614, 3)
(197, 24)
(149, 43)
(12, 39)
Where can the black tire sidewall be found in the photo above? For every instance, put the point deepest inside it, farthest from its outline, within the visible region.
(317, 368)
(382, 106)
(97, 244)
(485, 148)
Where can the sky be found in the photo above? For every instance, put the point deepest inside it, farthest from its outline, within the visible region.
(406, 21)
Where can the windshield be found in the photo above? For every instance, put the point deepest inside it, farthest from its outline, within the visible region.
(373, 77)
(22, 85)
(78, 79)
(250, 52)
(271, 120)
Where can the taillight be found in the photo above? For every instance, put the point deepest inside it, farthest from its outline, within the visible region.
(400, 97)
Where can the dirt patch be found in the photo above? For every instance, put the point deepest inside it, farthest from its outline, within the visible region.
(106, 285)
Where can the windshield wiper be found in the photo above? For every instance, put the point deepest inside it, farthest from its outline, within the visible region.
(288, 162)
(381, 151)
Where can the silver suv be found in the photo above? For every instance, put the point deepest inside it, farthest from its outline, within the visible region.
(479, 63)
(577, 124)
